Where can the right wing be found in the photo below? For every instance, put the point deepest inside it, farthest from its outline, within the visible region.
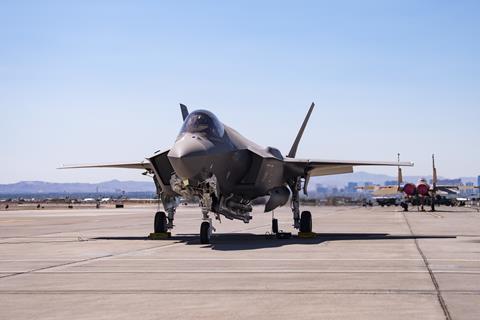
(331, 167)
(144, 165)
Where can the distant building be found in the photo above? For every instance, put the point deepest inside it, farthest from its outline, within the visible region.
(320, 189)
(478, 184)
(391, 183)
(351, 187)
(469, 190)
(368, 184)
(450, 182)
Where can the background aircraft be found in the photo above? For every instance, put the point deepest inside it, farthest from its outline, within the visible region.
(226, 172)
(422, 193)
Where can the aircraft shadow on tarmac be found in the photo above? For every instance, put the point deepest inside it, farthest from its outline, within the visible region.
(248, 241)
(467, 210)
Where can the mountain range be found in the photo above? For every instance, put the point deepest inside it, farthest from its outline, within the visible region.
(116, 186)
(39, 187)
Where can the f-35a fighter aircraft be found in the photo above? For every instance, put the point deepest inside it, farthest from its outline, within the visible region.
(226, 172)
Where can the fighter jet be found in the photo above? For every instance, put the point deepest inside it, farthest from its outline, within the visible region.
(423, 192)
(225, 171)
(419, 194)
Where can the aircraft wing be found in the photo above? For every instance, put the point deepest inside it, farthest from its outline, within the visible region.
(448, 189)
(386, 191)
(143, 165)
(314, 168)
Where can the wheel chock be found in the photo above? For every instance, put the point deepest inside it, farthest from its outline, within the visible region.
(283, 235)
(307, 235)
(160, 236)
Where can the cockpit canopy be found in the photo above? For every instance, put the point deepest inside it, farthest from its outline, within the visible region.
(203, 122)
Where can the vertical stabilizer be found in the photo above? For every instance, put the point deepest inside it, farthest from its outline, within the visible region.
(293, 150)
(400, 174)
(434, 175)
(184, 111)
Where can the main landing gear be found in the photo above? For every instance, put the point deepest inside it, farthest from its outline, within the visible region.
(160, 224)
(306, 222)
(274, 226)
(301, 221)
(164, 220)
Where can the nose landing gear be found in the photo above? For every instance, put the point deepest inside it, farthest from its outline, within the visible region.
(206, 228)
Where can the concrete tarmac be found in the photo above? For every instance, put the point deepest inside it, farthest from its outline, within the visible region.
(366, 263)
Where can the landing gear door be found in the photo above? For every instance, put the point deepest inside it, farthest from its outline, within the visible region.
(163, 170)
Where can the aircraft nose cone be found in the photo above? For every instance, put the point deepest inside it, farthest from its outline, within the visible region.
(189, 156)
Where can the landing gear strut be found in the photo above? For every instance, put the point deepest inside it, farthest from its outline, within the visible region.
(296, 187)
(302, 222)
(422, 205)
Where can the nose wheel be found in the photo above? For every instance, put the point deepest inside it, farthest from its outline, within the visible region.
(205, 232)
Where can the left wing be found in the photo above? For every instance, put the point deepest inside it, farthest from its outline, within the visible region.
(312, 168)
(144, 165)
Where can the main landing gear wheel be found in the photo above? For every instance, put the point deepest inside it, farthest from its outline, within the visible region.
(160, 225)
(275, 226)
(306, 222)
(205, 232)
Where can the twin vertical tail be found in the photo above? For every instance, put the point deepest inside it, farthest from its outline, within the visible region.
(184, 110)
(293, 150)
(434, 175)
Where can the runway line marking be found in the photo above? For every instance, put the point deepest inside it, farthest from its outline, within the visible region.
(241, 292)
(286, 259)
(239, 259)
(254, 271)
(84, 261)
(442, 302)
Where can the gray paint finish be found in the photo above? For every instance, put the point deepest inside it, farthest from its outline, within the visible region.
(225, 171)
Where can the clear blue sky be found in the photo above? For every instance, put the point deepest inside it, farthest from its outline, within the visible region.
(100, 81)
